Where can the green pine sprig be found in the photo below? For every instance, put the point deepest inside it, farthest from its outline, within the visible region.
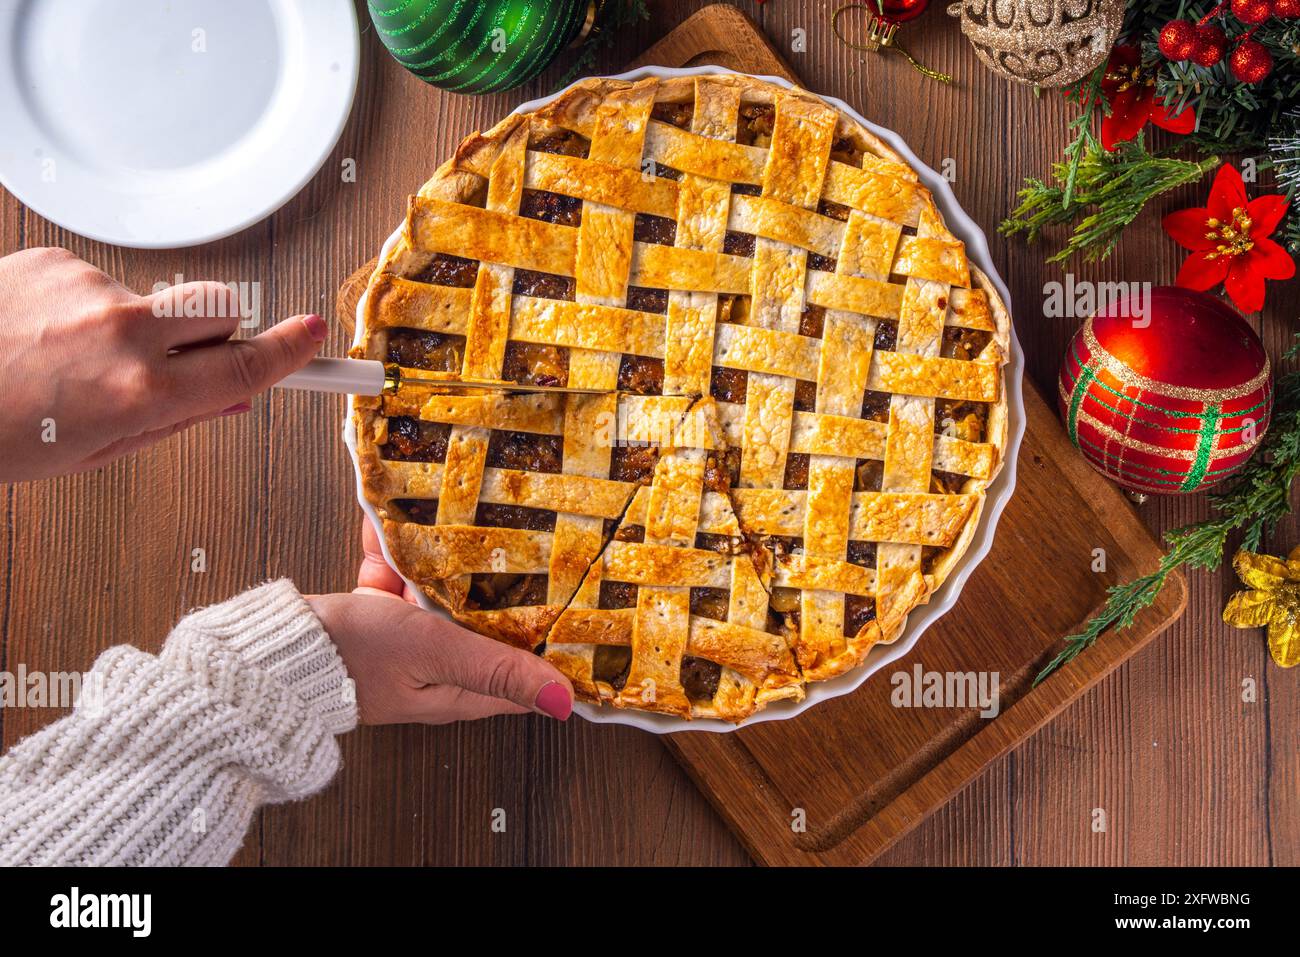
(1088, 94)
(1100, 196)
(1258, 498)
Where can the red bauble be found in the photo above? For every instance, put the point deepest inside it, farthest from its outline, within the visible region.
(1167, 399)
(900, 11)
(1177, 40)
(1251, 61)
(1251, 12)
(1286, 9)
(1211, 44)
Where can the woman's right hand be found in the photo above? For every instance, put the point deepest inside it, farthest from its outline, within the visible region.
(92, 371)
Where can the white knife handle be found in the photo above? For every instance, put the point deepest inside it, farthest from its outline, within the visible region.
(355, 376)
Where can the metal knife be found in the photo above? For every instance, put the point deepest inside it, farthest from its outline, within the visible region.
(372, 377)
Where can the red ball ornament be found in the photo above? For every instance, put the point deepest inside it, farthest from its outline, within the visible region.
(900, 11)
(1177, 40)
(1251, 12)
(1211, 44)
(1286, 9)
(1167, 392)
(1251, 61)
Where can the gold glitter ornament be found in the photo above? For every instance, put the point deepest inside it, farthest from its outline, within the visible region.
(1272, 601)
(1043, 42)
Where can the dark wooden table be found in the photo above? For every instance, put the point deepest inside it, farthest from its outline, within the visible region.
(1186, 772)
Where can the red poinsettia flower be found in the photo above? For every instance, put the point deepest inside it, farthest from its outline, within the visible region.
(1229, 241)
(1131, 93)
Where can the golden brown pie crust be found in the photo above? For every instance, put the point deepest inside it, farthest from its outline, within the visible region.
(811, 400)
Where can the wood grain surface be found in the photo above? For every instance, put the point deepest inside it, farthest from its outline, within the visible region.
(1186, 772)
(895, 766)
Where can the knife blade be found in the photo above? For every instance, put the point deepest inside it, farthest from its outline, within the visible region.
(372, 377)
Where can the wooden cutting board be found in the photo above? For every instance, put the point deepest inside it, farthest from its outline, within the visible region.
(842, 782)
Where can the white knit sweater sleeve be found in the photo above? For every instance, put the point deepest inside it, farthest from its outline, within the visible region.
(164, 759)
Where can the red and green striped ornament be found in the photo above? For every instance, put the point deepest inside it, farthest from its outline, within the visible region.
(1168, 399)
(479, 47)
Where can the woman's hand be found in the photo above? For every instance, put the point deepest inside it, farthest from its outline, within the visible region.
(413, 666)
(92, 371)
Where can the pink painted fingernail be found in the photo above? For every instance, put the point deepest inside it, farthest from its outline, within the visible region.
(554, 700)
(236, 409)
(316, 326)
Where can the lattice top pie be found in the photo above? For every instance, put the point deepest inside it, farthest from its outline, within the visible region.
(809, 399)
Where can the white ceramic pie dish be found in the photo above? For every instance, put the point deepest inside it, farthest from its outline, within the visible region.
(997, 495)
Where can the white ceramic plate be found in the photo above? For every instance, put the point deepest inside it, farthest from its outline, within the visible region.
(999, 492)
(166, 123)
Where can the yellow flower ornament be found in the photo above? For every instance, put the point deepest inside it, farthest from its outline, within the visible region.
(1273, 599)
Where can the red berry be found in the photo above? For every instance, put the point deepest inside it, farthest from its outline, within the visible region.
(1177, 40)
(1211, 44)
(1286, 9)
(1251, 12)
(1251, 61)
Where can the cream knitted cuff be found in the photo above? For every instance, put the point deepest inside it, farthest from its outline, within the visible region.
(274, 628)
(170, 758)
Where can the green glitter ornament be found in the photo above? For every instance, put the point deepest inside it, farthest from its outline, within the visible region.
(465, 46)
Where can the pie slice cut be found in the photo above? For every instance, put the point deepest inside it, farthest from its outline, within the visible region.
(674, 615)
(493, 512)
